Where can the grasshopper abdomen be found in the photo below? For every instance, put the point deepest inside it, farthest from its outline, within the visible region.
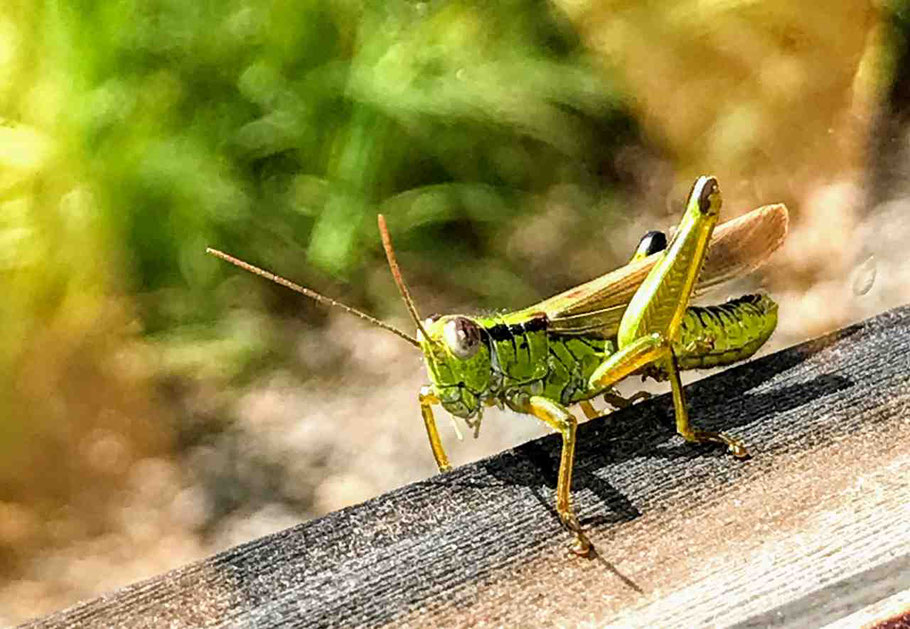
(720, 335)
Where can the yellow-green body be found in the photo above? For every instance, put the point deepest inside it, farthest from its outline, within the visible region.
(520, 359)
(576, 346)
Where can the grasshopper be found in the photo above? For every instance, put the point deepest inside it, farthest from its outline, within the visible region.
(576, 345)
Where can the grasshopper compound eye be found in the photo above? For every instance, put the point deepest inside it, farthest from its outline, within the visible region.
(462, 336)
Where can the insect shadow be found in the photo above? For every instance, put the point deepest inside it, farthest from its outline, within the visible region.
(643, 430)
(721, 403)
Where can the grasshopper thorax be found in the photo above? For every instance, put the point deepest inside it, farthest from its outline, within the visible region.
(458, 362)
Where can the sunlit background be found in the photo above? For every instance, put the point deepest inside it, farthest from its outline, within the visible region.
(158, 405)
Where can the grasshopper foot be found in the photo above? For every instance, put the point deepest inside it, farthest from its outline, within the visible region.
(580, 545)
(735, 446)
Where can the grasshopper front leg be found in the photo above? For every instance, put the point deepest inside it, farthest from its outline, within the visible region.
(652, 320)
(427, 399)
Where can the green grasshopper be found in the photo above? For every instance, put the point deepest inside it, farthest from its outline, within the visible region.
(575, 346)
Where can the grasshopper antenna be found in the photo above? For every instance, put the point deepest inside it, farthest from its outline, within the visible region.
(396, 273)
(322, 299)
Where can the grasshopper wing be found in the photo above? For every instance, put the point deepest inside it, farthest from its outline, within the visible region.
(596, 307)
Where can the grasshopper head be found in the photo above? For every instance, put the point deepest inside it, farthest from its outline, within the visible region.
(455, 348)
(458, 362)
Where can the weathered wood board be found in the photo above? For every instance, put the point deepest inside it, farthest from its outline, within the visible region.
(813, 530)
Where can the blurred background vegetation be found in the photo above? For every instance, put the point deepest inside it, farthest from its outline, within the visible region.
(157, 405)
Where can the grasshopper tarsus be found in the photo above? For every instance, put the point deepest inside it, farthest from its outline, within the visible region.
(733, 445)
(737, 448)
(581, 546)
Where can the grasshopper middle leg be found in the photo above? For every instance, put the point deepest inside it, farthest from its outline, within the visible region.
(614, 399)
(588, 409)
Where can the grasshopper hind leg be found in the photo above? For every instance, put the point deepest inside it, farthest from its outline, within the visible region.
(684, 428)
(651, 242)
(654, 348)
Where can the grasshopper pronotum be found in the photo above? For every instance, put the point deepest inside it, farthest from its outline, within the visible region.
(575, 346)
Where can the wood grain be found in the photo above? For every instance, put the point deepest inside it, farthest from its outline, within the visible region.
(812, 530)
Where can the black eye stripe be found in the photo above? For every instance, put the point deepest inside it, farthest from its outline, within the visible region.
(537, 323)
(499, 332)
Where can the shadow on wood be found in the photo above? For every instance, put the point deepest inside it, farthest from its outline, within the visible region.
(685, 535)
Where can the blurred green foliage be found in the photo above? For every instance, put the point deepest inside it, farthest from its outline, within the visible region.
(136, 133)
(278, 129)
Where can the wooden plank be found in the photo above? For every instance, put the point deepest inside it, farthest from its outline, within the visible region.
(813, 528)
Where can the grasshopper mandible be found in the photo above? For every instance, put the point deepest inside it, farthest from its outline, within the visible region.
(575, 346)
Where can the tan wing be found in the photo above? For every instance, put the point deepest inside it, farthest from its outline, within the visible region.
(596, 307)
